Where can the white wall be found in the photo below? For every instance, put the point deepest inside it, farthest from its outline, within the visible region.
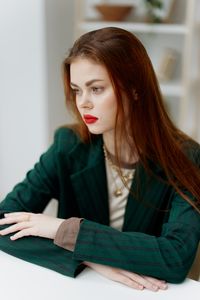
(34, 36)
(59, 18)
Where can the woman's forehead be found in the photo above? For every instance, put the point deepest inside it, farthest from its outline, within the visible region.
(87, 69)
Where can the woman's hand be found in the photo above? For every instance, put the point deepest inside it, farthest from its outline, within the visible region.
(25, 224)
(130, 279)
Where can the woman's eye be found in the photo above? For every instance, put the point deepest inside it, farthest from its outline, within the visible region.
(76, 91)
(97, 90)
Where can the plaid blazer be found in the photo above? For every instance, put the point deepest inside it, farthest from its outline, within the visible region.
(160, 233)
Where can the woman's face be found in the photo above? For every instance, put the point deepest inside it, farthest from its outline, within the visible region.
(95, 98)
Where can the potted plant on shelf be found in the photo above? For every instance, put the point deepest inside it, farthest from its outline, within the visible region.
(153, 8)
(158, 11)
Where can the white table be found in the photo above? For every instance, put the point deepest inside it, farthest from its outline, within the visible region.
(21, 280)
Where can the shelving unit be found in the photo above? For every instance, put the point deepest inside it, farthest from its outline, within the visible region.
(181, 92)
(137, 27)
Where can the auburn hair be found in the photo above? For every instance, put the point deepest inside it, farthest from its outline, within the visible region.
(147, 127)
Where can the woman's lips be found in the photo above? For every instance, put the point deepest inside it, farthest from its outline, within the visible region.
(89, 119)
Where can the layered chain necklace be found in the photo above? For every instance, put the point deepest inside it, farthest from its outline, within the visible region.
(126, 176)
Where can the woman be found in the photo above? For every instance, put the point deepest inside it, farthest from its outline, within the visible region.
(126, 179)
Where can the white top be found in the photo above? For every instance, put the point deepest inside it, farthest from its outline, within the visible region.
(117, 205)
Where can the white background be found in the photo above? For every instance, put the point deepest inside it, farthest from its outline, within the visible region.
(34, 37)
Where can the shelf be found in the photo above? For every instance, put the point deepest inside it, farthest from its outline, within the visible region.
(136, 27)
(181, 36)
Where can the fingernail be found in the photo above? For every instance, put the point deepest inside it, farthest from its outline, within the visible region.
(155, 288)
(164, 286)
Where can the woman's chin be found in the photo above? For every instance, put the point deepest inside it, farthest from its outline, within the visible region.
(95, 131)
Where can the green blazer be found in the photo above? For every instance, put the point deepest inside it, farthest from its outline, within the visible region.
(160, 233)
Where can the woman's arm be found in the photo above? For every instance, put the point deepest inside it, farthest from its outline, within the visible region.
(119, 255)
(28, 224)
(38, 188)
(32, 195)
(166, 257)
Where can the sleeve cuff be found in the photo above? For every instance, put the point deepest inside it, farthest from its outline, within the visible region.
(67, 233)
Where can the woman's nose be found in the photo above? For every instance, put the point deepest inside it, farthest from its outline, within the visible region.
(85, 102)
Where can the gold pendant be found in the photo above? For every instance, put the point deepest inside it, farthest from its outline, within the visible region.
(118, 193)
(128, 177)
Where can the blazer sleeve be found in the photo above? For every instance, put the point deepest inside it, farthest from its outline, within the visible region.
(168, 256)
(37, 189)
(42, 252)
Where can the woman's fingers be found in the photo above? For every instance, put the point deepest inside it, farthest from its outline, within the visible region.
(20, 221)
(147, 282)
(15, 218)
(130, 279)
(15, 227)
(115, 275)
(17, 213)
(122, 278)
(140, 280)
(160, 283)
(23, 233)
(30, 224)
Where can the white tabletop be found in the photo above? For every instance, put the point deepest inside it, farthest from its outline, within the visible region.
(21, 280)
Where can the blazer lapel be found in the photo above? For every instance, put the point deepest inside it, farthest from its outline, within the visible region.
(89, 182)
(148, 202)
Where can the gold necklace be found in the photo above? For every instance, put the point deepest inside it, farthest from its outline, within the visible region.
(126, 177)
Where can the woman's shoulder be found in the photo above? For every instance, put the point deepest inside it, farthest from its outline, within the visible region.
(66, 138)
(68, 143)
(66, 131)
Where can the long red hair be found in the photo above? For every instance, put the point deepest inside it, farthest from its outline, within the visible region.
(147, 127)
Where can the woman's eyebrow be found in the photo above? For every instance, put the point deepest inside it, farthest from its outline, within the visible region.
(88, 83)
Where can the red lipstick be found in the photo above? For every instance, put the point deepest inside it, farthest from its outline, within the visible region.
(89, 119)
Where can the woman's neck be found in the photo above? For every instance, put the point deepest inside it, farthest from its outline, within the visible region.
(126, 154)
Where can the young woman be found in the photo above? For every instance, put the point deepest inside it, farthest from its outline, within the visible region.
(126, 179)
